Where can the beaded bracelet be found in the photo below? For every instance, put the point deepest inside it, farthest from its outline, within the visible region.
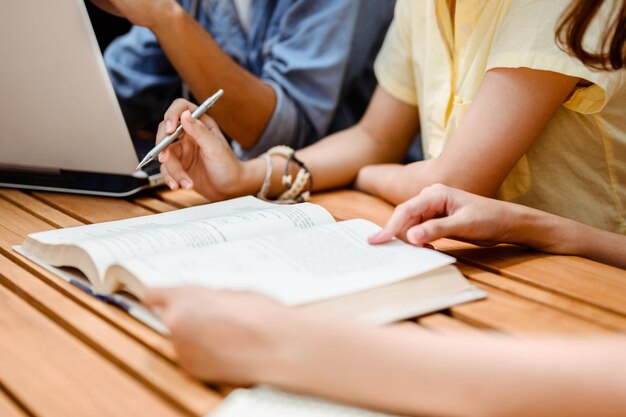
(296, 190)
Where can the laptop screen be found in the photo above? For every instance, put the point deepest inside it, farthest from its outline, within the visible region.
(59, 110)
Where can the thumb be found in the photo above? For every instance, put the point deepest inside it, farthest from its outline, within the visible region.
(434, 229)
(157, 297)
(196, 131)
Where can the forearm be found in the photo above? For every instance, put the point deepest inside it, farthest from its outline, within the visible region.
(406, 371)
(336, 160)
(555, 234)
(602, 246)
(205, 67)
(333, 162)
(397, 183)
(107, 7)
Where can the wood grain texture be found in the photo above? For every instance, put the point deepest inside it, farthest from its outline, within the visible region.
(508, 313)
(181, 198)
(444, 324)
(153, 370)
(154, 204)
(549, 298)
(85, 208)
(39, 209)
(8, 408)
(582, 279)
(53, 372)
(15, 224)
(349, 204)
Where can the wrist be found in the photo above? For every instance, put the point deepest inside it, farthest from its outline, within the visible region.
(299, 338)
(283, 356)
(543, 231)
(252, 176)
(167, 16)
(385, 181)
(366, 180)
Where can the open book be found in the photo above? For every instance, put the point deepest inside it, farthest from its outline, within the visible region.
(296, 254)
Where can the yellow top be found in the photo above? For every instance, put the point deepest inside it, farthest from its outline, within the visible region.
(577, 166)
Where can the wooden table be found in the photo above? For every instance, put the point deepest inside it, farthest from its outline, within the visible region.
(63, 353)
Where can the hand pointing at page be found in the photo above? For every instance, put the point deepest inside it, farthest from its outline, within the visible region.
(440, 211)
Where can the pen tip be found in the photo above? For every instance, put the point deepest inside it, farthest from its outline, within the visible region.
(143, 163)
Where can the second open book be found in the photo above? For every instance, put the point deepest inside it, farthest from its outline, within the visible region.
(296, 254)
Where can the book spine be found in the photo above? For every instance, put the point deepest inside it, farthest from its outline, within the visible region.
(109, 299)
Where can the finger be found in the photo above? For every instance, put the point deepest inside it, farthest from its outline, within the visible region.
(434, 229)
(187, 146)
(430, 202)
(404, 216)
(396, 223)
(160, 133)
(199, 133)
(168, 179)
(176, 172)
(210, 123)
(173, 113)
(172, 151)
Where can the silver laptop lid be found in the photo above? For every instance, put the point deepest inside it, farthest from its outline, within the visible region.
(58, 109)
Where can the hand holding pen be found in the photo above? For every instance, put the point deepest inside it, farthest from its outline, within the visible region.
(168, 140)
(203, 160)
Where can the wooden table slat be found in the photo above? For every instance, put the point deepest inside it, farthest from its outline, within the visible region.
(15, 224)
(19, 221)
(92, 209)
(549, 298)
(349, 204)
(509, 313)
(442, 323)
(157, 372)
(8, 408)
(57, 375)
(154, 204)
(181, 198)
(39, 209)
(588, 281)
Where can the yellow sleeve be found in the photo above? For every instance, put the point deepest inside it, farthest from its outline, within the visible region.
(394, 64)
(527, 38)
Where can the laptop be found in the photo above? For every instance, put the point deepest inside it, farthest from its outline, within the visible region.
(61, 127)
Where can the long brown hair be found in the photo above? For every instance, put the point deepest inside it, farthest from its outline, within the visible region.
(575, 23)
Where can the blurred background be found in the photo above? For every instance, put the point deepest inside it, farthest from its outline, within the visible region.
(106, 26)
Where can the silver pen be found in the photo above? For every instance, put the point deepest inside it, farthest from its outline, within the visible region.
(168, 140)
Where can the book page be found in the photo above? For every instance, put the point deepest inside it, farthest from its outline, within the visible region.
(223, 208)
(264, 401)
(295, 268)
(192, 228)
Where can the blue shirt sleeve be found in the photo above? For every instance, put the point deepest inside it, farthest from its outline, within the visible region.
(305, 64)
(144, 80)
(323, 48)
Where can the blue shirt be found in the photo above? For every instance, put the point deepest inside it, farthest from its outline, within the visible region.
(317, 55)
